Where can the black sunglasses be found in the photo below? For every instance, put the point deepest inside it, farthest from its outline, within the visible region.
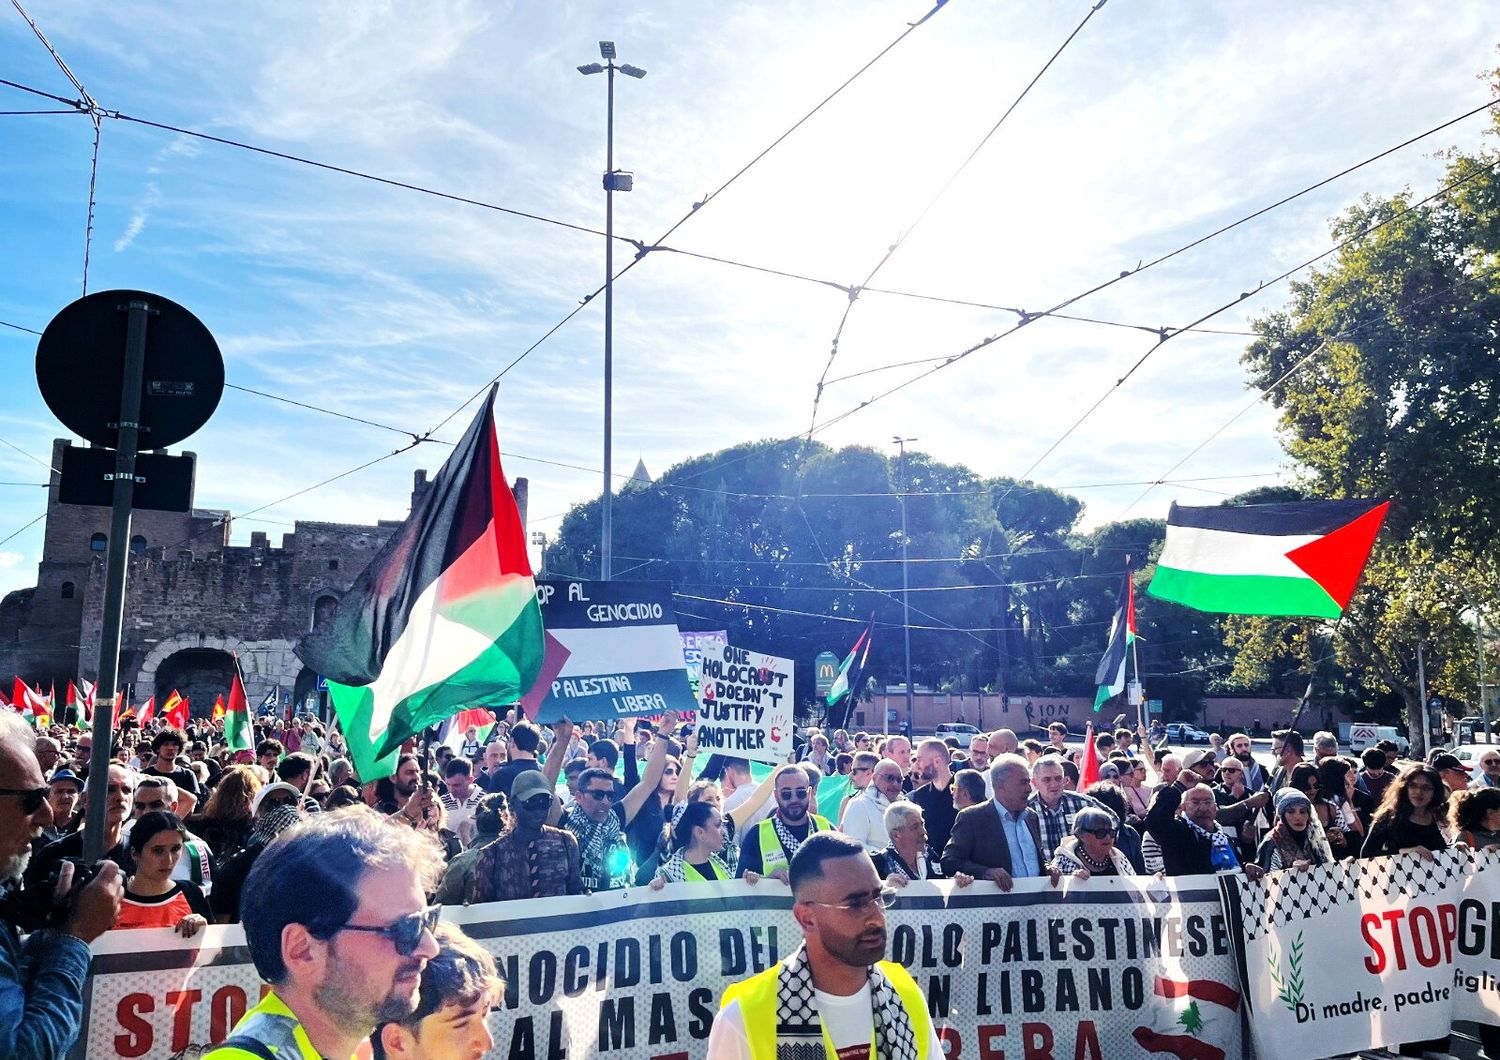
(405, 934)
(1102, 833)
(602, 794)
(539, 801)
(31, 798)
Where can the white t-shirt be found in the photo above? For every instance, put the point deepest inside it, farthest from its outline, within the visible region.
(741, 795)
(849, 1021)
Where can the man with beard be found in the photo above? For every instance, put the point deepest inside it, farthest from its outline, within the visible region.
(1255, 776)
(41, 982)
(835, 994)
(348, 961)
(769, 847)
(935, 795)
(533, 859)
(118, 793)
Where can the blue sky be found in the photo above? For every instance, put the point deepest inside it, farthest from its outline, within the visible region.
(1162, 121)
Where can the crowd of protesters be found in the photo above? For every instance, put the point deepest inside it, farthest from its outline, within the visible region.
(193, 834)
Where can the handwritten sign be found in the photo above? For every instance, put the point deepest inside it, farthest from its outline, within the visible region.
(746, 705)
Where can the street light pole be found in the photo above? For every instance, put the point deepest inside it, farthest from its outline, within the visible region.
(613, 181)
(905, 581)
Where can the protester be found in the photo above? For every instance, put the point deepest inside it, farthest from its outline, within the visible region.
(1192, 843)
(910, 855)
(970, 788)
(1091, 850)
(1054, 805)
(524, 741)
(1297, 840)
(979, 752)
(1375, 777)
(769, 847)
(934, 794)
(1474, 818)
(451, 1020)
(487, 825)
(1287, 748)
(297, 770)
(861, 776)
(1451, 768)
(64, 788)
(157, 794)
(1240, 809)
(117, 794)
(535, 859)
(353, 959)
(697, 842)
(41, 980)
(460, 797)
(1336, 785)
(834, 988)
(166, 745)
(1002, 838)
(1128, 839)
(271, 819)
(1411, 817)
(152, 897)
(864, 817)
(1241, 749)
(599, 820)
(1325, 745)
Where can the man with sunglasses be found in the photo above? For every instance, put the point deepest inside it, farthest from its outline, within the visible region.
(41, 981)
(351, 959)
(769, 847)
(533, 859)
(834, 996)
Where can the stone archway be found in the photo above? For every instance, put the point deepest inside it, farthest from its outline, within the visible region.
(200, 674)
(265, 665)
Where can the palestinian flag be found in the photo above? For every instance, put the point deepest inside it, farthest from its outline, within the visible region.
(28, 702)
(1299, 559)
(451, 733)
(444, 618)
(237, 732)
(1110, 677)
(849, 670)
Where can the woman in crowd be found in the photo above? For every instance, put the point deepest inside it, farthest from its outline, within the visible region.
(1296, 841)
(224, 822)
(1091, 850)
(152, 898)
(1411, 817)
(1474, 818)
(1128, 841)
(1336, 777)
(1305, 778)
(698, 840)
(1137, 795)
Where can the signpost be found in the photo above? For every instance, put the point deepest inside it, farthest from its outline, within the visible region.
(825, 672)
(123, 369)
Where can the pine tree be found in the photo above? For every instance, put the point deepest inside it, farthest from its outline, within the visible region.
(1191, 1019)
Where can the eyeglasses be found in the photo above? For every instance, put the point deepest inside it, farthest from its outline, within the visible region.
(541, 801)
(405, 934)
(31, 799)
(602, 794)
(1489, 761)
(1102, 833)
(863, 769)
(884, 898)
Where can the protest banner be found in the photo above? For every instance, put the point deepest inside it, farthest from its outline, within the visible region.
(613, 650)
(746, 705)
(694, 646)
(1367, 954)
(1101, 969)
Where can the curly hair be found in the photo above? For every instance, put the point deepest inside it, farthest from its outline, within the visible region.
(1395, 805)
(233, 794)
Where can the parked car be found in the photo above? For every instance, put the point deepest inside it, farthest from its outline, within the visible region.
(1180, 733)
(962, 729)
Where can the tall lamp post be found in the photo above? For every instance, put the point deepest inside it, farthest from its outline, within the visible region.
(905, 580)
(613, 181)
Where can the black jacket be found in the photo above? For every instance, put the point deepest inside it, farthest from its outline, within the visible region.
(1184, 850)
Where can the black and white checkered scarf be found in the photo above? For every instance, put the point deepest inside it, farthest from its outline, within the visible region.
(799, 1029)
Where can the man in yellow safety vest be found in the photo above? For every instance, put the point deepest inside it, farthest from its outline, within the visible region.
(834, 991)
(768, 848)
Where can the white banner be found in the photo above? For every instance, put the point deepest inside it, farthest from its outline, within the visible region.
(1369, 954)
(1106, 969)
(745, 704)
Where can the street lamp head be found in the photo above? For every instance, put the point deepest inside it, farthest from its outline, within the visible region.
(591, 68)
(632, 71)
(607, 49)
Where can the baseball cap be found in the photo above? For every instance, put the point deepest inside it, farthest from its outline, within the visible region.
(280, 785)
(1446, 761)
(1196, 757)
(532, 782)
(68, 775)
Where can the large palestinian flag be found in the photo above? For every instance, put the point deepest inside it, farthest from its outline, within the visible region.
(443, 619)
(1110, 675)
(1299, 559)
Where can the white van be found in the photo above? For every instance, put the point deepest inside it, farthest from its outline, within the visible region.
(1363, 736)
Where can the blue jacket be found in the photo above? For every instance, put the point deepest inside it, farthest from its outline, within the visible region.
(41, 993)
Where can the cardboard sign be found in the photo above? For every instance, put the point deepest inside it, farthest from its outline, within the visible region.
(613, 650)
(746, 705)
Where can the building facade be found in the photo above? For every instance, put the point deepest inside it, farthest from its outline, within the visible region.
(193, 602)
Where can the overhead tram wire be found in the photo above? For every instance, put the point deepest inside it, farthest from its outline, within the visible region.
(87, 105)
(1166, 333)
(1245, 295)
(922, 216)
(643, 249)
(1296, 367)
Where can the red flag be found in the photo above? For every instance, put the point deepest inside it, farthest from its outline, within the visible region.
(146, 712)
(26, 701)
(176, 711)
(1088, 771)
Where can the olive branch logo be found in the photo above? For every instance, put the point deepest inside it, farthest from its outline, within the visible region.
(1288, 981)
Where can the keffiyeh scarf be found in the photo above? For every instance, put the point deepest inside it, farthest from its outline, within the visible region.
(597, 846)
(799, 1029)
